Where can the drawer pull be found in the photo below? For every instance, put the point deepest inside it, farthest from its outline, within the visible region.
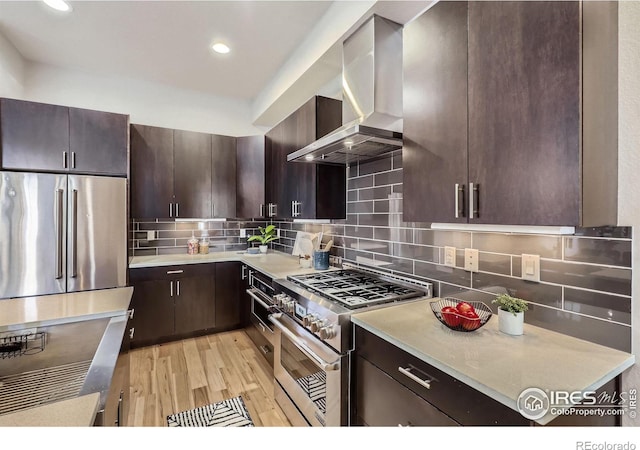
(173, 272)
(420, 381)
(265, 349)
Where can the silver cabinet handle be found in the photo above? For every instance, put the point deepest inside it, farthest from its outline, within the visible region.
(172, 272)
(244, 272)
(262, 327)
(293, 208)
(170, 209)
(261, 210)
(74, 234)
(132, 332)
(275, 210)
(263, 348)
(178, 288)
(459, 191)
(73, 160)
(131, 311)
(59, 231)
(420, 381)
(64, 160)
(473, 200)
(177, 210)
(171, 288)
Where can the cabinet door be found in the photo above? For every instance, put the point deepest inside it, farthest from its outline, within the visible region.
(250, 182)
(98, 142)
(153, 316)
(35, 136)
(277, 184)
(228, 290)
(223, 176)
(151, 172)
(194, 299)
(524, 111)
(301, 131)
(192, 172)
(434, 153)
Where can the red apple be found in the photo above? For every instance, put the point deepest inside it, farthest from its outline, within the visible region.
(450, 316)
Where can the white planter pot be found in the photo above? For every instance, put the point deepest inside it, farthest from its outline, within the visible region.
(305, 263)
(509, 323)
(263, 248)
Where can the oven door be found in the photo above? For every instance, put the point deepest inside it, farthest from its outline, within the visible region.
(310, 373)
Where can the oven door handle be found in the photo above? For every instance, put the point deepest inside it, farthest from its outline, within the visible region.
(261, 302)
(326, 366)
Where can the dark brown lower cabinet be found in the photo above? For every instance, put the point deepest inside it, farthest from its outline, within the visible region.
(387, 393)
(176, 302)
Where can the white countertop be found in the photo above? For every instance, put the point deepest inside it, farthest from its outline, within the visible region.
(496, 364)
(274, 264)
(75, 412)
(27, 312)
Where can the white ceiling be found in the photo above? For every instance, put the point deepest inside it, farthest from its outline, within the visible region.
(165, 41)
(283, 52)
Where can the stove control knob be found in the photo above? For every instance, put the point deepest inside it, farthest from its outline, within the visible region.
(289, 305)
(327, 332)
(316, 325)
(308, 319)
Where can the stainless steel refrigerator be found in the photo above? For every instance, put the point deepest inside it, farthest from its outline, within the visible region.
(61, 233)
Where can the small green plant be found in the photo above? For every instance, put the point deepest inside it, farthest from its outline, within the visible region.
(511, 304)
(266, 235)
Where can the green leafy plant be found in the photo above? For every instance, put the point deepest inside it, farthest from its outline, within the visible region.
(266, 235)
(511, 304)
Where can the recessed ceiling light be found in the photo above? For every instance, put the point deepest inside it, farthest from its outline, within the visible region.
(309, 157)
(219, 47)
(59, 5)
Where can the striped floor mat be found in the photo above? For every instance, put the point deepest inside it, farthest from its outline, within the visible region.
(227, 413)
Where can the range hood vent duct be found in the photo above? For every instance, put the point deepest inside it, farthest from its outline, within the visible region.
(371, 98)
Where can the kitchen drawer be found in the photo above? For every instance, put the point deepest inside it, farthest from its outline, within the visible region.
(172, 272)
(382, 401)
(459, 401)
(263, 338)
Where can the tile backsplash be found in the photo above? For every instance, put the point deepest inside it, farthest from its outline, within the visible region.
(585, 278)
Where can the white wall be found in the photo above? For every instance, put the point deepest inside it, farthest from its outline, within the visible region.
(629, 165)
(11, 70)
(146, 103)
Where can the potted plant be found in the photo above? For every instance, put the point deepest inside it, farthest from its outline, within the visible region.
(510, 314)
(266, 235)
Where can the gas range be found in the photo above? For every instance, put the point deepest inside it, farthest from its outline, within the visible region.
(323, 302)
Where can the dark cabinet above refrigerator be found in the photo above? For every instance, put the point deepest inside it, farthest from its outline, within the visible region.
(51, 138)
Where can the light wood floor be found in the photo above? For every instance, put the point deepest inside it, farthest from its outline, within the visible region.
(177, 376)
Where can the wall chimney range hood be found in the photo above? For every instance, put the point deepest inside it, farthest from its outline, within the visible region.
(371, 98)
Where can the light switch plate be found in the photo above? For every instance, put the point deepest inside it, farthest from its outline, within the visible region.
(450, 256)
(151, 235)
(531, 267)
(243, 232)
(471, 259)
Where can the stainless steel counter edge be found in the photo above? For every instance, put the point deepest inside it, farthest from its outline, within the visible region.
(511, 403)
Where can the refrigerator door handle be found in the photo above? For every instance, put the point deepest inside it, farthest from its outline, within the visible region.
(59, 231)
(74, 234)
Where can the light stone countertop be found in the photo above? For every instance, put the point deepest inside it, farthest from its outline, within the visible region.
(75, 412)
(496, 364)
(274, 264)
(27, 312)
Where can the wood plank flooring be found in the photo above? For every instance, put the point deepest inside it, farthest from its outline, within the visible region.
(177, 376)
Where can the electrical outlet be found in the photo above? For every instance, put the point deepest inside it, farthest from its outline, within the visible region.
(243, 233)
(151, 235)
(450, 256)
(531, 267)
(278, 232)
(471, 259)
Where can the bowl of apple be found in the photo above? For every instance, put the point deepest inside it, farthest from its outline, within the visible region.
(460, 315)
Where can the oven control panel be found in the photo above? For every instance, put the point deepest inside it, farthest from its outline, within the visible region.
(312, 322)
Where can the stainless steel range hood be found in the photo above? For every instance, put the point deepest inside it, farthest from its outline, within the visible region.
(371, 98)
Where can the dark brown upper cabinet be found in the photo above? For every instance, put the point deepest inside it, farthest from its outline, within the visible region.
(495, 122)
(52, 138)
(151, 172)
(250, 185)
(223, 175)
(303, 190)
(181, 174)
(192, 174)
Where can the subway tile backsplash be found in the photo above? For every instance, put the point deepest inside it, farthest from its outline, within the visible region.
(585, 287)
